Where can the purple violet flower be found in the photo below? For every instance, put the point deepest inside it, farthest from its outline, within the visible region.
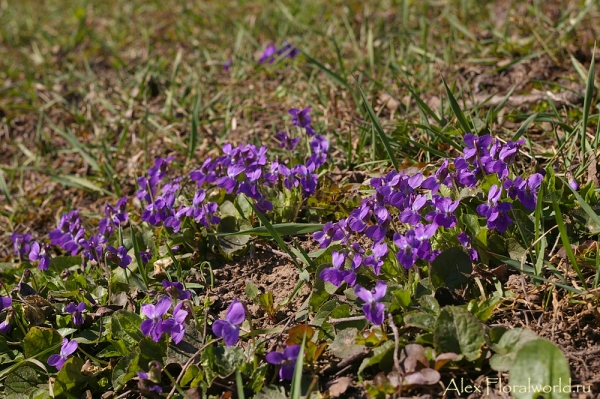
(40, 253)
(268, 54)
(573, 184)
(465, 241)
(434, 183)
(145, 256)
(331, 232)
(155, 326)
(287, 359)
(289, 50)
(118, 256)
(301, 118)
(229, 329)
(5, 326)
(443, 214)
(373, 309)
(179, 316)
(476, 147)
(378, 253)
(527, 191)
(67, 349)
(408, 246)
(412, 214)
(286, 142)
(5, 302)
(175, 290)
(336, 274)
(77, 312)
(94, 247)
(495, 211)
(21, 244)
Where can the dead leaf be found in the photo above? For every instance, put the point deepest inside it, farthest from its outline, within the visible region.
(422, 377)
(339, 386)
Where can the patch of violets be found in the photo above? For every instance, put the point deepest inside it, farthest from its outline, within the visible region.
(405, 212)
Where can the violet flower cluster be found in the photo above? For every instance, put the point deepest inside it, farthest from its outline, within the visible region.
(410, 209)
(68, 232)
(246, 170)
(156, 325)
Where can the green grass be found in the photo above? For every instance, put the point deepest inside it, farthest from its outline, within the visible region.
(92, 92)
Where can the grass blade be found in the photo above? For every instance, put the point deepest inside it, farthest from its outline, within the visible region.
(456, 109)
(565, 239)
(80, 183)
(332, 75)
(423, 106)
(587, 102)
(138, 258)
(297, 379)
(524, 127)
(4, 187)
(194, 131)
(283, 229)
(273, 233)
(239, 384)
(584, 205)
(382, 136)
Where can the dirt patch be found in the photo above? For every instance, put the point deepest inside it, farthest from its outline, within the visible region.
(271, 271)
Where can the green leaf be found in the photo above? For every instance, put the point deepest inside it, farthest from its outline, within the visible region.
(382, 136)
(21, 381)
(378, 355)
(229, 243)
(271, 392)
(451, 269)
(420, 320)
(251, 291)
(458, 331)
(284, 229)
(125, 369)
(540, 366)
(508, 346)
(344, 345)
(69, 378)
(125, 327)
(483, 310)
(227, 359)
(402, 300)
(150, 350)
(38, 339)
(64, 262)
